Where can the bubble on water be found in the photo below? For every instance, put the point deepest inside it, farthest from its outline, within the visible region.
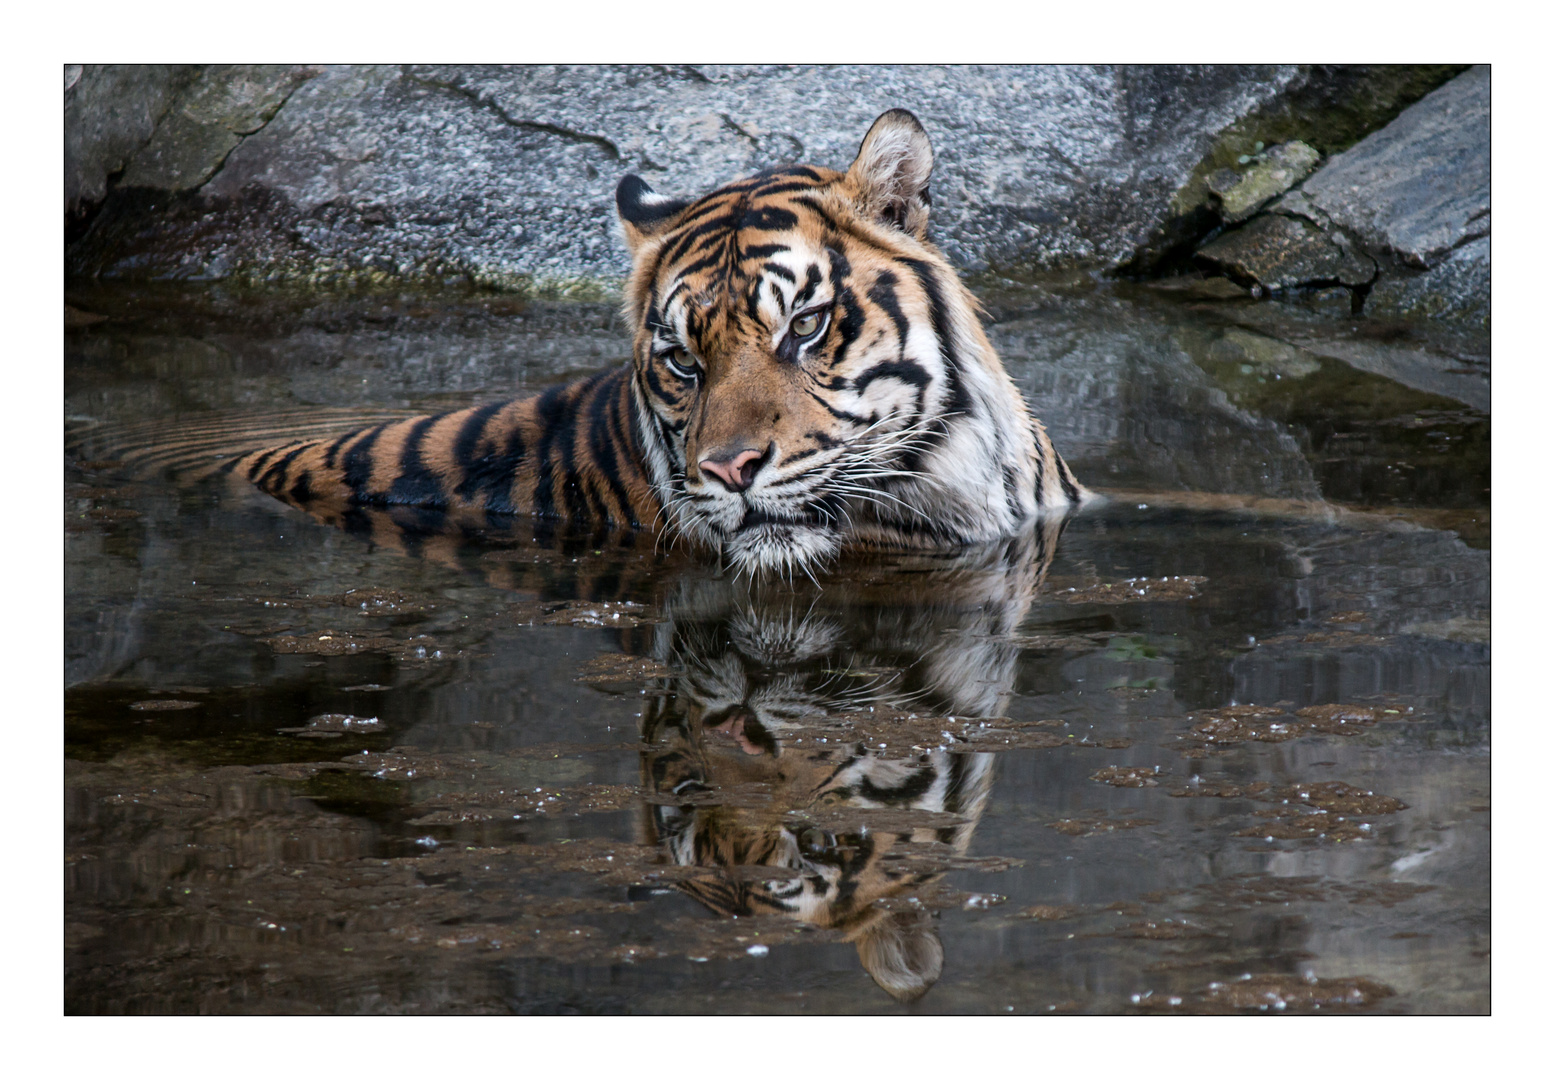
(757, 950)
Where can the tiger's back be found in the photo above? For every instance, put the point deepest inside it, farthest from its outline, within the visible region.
(570, 453)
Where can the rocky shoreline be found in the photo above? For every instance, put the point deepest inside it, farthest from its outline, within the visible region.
(1346, 188)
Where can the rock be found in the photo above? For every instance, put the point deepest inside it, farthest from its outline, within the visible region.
(1330, 300)
(1457, 288)
(1420, 187)
(1327, 106)
(110, 112)
(505, 176)
(208, 120)
(1410, 203)
(1281, 252)
(1282, 168)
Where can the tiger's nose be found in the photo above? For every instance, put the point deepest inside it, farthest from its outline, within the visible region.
(737, 472)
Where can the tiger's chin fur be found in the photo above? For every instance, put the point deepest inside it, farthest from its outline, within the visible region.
(808, 374)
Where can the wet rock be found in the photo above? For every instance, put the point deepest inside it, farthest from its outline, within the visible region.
(1420, 187)
(504, 176)
(1197, 288)
(1282, 168)
(1095, 825)
(1279, 252)
(1282, 993)
(619, 668)
(1332, 300)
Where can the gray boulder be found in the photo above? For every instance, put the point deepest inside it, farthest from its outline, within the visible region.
(1412, 200)
(110, 112)
(504, 176)
(1420, 187)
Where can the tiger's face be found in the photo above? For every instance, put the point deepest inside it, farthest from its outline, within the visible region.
(794, 354)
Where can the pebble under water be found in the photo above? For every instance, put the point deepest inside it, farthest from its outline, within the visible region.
(1220, 744)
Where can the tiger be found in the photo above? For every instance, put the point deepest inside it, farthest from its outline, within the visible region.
(808, 374)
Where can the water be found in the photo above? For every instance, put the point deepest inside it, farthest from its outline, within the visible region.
(388, 769)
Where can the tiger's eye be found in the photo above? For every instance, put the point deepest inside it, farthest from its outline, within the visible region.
(680, 363)
(806, 325)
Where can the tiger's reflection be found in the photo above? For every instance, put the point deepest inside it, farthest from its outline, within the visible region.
(735, 785)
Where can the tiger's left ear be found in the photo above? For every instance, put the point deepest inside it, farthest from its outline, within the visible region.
(890, 176)
(644, 214)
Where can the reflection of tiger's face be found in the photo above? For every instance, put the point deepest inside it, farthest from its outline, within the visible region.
(739, 786)
(812, 372)
(830, 877)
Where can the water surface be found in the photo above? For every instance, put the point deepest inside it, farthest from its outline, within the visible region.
(1220, 744)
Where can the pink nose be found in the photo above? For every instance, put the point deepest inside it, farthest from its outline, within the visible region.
(738, 472)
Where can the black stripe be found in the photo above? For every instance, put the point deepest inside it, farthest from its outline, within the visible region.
(358, 469)
(838, 413)
(939, 314)
(883, 295)
(689, 238)
(492, 475)
(781, 188)
(812, 281)
(680, 286)
(277, 470)
(467, 440)
(416, 485)
(549, 411)
(1041, 469)
(908, 371)
(1066, 479)
(259, 462)
(851, 325)
(764, 251)
(795, 170)
(603, 434)
(1012, 492)
(334, 450)
(769, 219)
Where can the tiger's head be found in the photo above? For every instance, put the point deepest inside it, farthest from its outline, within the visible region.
(811, 372)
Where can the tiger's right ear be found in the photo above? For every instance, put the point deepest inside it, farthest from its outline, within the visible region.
(644, 215)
